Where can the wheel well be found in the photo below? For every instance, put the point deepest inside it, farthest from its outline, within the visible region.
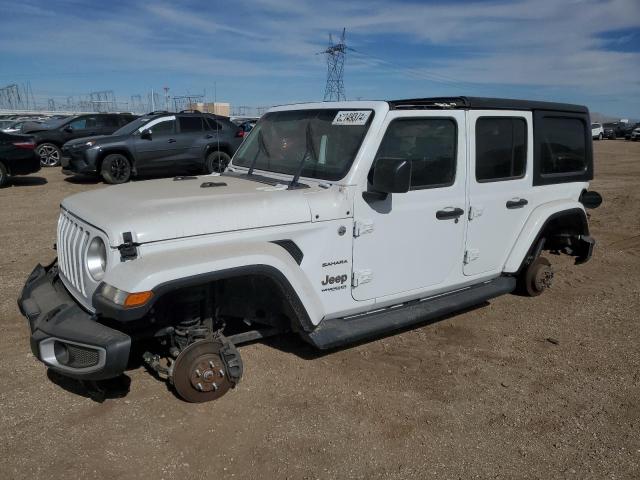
(240, 302)
(218, 148)
(103, 155)
(560, 233)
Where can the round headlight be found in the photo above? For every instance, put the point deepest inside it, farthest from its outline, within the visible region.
(97, 258)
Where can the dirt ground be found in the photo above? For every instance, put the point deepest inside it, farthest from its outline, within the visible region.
(483, 394)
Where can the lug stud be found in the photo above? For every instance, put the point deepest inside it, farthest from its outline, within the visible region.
(211, 364)
(221, 372)
(199, 386)
(197, 372)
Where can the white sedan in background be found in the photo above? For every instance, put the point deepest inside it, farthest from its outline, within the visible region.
(597, 131)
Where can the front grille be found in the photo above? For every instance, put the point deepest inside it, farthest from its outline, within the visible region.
(72, 249)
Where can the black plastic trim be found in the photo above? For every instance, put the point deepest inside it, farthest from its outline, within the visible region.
(484, 103)
(293, 249)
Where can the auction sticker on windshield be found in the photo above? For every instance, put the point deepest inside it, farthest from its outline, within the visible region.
(351, 117)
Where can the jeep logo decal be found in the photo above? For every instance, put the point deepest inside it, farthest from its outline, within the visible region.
(339, 279)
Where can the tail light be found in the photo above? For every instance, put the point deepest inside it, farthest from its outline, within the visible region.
(26, 144)
(240, 133)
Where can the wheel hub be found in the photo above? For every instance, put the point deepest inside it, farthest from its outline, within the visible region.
(207, 369)
(203, 376)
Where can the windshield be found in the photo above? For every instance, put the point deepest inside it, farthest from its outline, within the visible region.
(281, 141)
(131, 127)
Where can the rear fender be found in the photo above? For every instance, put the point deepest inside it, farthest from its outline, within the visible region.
(528, 238)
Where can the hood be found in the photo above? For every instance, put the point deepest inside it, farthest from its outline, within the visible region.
(163, 209)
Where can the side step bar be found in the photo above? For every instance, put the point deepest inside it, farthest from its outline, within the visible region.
(340, 331)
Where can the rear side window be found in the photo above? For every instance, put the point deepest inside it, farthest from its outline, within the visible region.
(211, 124)
(430, 145)
(190, 124)
(563, 146)
(501, 148)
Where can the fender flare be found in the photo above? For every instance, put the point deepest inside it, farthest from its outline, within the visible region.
(534, 226)
(154, 272)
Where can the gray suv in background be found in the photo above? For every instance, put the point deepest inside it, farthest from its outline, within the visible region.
(159, 144)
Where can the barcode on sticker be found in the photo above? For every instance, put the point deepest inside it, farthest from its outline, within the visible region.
(351, 117)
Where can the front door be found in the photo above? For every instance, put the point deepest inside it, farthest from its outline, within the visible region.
(500, 171)
(158, 150)
(414, 241)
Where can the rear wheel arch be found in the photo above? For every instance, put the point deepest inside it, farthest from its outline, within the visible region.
(559, 232)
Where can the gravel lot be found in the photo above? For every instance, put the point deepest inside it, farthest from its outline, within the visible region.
(483, 394)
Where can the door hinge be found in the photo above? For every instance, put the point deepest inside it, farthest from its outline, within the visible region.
(361, 276)
(471, 255)
(360, 227)
(475, 212)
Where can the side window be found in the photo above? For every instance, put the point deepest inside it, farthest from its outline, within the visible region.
(563, 147)
(429, 143)
(190, 124)
(166, 127)
(501, 148)
(109, 121)
(79, 123)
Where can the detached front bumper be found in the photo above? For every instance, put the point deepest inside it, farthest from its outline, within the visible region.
(64, 336)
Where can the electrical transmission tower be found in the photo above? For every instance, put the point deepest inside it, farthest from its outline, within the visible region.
(103, 101)
(336, 53)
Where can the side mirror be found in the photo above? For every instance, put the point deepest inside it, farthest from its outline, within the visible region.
(68, 129)
(392, 175)
(145, 134)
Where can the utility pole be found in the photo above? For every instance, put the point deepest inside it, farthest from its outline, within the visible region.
(336, 53)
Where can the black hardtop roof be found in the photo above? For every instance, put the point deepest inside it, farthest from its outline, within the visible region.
(484, 103)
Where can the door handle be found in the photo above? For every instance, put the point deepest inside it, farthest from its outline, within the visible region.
(172, 140)
(517, 203)
(449, 213)
(208, 135)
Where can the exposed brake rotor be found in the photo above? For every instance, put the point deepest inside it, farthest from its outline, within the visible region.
(206, 370)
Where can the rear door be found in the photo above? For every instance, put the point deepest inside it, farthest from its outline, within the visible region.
(414, 241)
(500, 186)
(191, 142)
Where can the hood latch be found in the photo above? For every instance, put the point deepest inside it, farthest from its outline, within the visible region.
(128, 249)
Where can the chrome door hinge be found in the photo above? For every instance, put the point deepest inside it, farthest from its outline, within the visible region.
(361, 276)
(360, 227)
(471, 255)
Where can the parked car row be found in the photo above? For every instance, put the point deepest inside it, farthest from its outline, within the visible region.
(119, 146)
(614, 130)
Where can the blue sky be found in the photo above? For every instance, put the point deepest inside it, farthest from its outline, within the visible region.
(264, 52)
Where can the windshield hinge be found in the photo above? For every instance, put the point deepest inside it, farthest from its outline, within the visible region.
(128, 249)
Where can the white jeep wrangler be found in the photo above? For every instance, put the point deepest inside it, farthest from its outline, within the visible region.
(336, 221)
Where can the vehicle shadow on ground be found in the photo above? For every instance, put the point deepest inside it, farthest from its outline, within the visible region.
(294, 344)
(98, 391)
(26, 181)
(83, 180)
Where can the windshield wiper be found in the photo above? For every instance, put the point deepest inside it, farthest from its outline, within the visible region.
(308, 150)
(261, 146)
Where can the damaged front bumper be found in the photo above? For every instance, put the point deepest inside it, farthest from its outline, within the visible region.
(65, 337)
